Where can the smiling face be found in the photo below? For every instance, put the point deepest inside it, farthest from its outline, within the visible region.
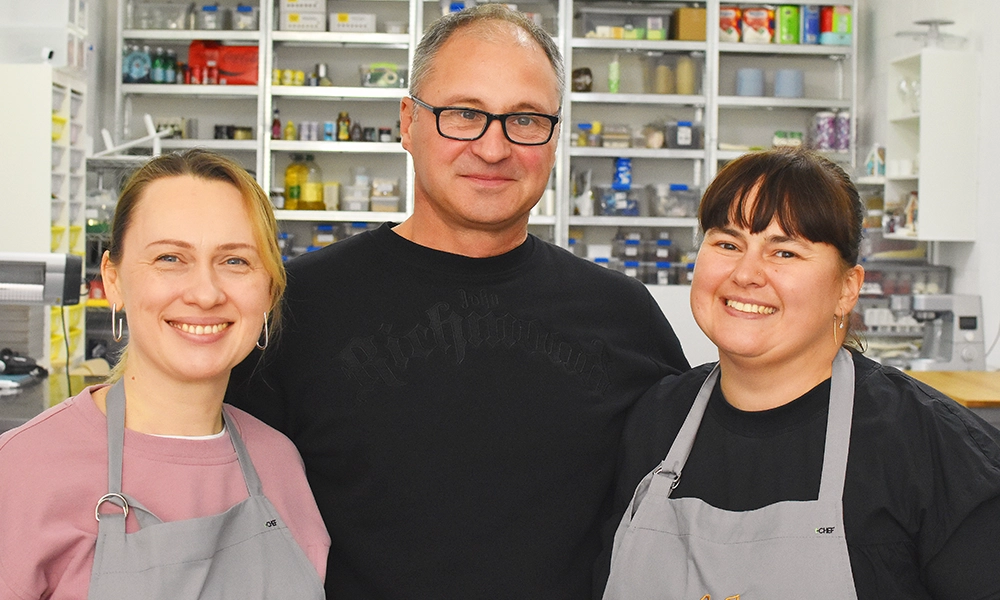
(191, 280)
(769, 297)
(490, 184)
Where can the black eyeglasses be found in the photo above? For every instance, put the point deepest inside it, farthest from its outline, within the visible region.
(467, 124)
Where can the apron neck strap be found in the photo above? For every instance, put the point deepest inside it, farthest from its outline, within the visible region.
(838, 429)
(116, 443)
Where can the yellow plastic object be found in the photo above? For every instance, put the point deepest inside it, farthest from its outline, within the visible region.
(58, 231)
(74, 235)
(58, 127)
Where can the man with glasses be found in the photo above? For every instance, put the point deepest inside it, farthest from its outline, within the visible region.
(456, 386)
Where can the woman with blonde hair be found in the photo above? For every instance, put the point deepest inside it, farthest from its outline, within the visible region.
(149, 487)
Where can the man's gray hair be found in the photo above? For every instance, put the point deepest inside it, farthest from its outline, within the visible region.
(442, 29)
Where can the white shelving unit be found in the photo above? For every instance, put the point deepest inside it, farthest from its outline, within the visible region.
(931, 148)
(830, 84)
(44, 197)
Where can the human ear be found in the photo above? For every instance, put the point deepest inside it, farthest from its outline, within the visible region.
(406, 118)
(851, 289)
(110, 279)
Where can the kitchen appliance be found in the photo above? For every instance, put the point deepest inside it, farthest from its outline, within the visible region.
(952, 330)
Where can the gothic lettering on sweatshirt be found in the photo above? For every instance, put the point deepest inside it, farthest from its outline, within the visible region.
(475, 322)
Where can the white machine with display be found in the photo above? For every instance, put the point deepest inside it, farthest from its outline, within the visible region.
(953, 331)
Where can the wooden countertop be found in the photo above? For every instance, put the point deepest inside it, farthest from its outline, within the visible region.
(975, 389)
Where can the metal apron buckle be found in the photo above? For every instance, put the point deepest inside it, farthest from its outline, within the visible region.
(110, 498)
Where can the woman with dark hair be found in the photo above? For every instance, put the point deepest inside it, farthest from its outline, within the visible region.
(148, 488)
(796, 467)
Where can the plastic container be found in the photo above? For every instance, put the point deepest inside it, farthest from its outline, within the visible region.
(75, 158)
(58, 95)
(628, 249)
(384, 75)
(213, 17)
(661, 250)
(245, 18)
(356, 198)
(676, 200)
(660, 74)
(58, 127)
(312, 186)
(323, 235)
(75, 102)
(57, 155)
(684, 135)
(664, 273)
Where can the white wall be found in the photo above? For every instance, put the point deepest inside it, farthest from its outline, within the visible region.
(975, 267)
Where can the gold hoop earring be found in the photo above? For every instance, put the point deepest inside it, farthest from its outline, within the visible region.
(116, 335)
(266, 336)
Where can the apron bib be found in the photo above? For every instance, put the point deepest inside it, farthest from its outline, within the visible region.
(245, 552)
(685, 549)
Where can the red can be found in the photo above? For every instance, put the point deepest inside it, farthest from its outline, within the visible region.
(195, 74)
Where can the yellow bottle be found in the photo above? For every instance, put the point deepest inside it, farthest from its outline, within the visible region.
(293, 183)
(312, 186)
(290, 133)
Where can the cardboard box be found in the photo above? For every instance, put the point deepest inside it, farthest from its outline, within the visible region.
(237, 64)
(352, 22)
(302, 22)
(302, 6)
(688, 24)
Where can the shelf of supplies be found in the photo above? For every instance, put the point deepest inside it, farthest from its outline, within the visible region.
(338, 93)
(310, 38)
(637, 45)
(797, 49)
(657, 99)
(350, 147)
(166, 89)
(871, 180)
(339, 216)
(772, 102)
(603, 221)
(665, 153)
(187, 35)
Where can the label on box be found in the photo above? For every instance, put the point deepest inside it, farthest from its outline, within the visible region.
(684, 134)
(356, 22)
(302, 22)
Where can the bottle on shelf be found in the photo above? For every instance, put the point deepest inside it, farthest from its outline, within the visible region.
(170, 67)
(311, 185)
(290, 133)
(343, 127)
(276, 126)
(321, 74)
(157, 73)
(293, 182)
(357, 134)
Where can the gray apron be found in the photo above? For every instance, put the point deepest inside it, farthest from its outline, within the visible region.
(245, 552)
(685, 549)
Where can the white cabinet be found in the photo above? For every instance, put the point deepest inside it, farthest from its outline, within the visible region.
(931, 147)
(43, 170)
